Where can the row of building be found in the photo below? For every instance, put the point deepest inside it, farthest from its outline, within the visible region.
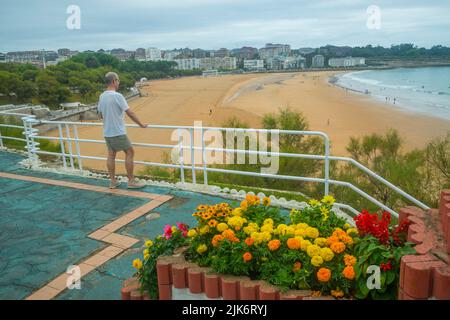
(270, 57)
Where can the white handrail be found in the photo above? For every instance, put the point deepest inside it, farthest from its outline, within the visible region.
(33, 148)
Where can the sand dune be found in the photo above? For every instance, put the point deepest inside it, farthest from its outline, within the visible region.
(250, 96)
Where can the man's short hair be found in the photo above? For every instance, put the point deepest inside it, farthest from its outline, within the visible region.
(110, 77)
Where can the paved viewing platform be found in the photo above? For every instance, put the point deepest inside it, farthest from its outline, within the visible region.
(52, 221)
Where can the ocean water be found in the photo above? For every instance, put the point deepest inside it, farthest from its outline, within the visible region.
(421, 90)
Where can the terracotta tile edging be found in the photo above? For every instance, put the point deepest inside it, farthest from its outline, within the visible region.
(106, 233)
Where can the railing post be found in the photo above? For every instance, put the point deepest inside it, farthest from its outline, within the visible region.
(27, 137)
(61, 142)
(70, 146)
(205, 172)
(31, 137)
(194, 178)
(327, 165)
(77, 147)
(180, 142)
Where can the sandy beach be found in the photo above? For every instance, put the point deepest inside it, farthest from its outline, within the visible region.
(249, 97)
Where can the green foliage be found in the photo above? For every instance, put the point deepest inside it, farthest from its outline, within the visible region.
(371, 253)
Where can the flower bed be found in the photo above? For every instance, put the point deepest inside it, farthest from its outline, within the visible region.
(309, 249)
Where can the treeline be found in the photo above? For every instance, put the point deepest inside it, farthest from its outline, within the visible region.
(81, 78)
(404, 50)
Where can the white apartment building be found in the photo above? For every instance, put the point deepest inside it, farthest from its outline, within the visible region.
(152, 54)
(253, 64)
(346, 62)
(218, 63)
(171, 55)
(187, 64)
(273, 50)
(318, 61)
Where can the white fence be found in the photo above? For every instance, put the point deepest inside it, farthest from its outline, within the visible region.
(73, 157)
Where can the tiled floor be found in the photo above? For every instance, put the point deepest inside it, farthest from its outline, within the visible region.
(47, 226)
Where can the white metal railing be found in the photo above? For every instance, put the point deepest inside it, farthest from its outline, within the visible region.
(69, 155)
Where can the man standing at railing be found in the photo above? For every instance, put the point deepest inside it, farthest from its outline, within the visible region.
(112, 107)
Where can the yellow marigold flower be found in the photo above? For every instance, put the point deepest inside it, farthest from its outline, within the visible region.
(321, 242)
(324, 275)
(204, 229)
(313, 202)
(145, 252)
(137, 263)
(192, 233)
(304, 244)
(337, 293)
(328, 200)
(293, 213)
(174, 228)
(351, 231)
(237, 212)
(281, 229)
(266, 201)
(146, 256)
(326, 254)
(267, 228)
(148, 243)
(313, 250)
(222, 227)
(300, 232)
(202, 249)
(312, 232)
(337, 247)
(268, 221)
(274, 244)
(244, 204)
(257, 237)
(290, 231)
(349, 272)
(266, 236)
(293, 243)
(346, 226)
(349, 260)
(317, 261)
(302, 226)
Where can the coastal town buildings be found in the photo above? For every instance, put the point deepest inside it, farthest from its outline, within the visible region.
(187, 64)
(152, 54)
(346, 62)
(318, 61)
(254, 65)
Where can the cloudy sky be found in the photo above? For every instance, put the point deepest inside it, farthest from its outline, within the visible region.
(212, 24)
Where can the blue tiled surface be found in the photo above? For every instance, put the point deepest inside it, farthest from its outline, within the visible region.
(44, 230)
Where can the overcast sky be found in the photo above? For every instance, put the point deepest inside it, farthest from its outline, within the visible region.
(212, 24)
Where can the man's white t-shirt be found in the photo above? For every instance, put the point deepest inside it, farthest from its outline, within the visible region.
(112, 106)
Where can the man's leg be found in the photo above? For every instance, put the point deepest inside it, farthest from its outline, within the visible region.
(129, 165)
(111, 164)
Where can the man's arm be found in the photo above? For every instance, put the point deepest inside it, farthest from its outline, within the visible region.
(133, 117)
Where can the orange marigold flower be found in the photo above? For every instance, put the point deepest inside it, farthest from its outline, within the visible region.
(274, 244)
(337, 247)
(216, 239)
(297, 266)
(349, 260)
(349, 272)
(337, 293)
(247, 256)
(212, 223)
(249, 241)
(228, 234)
(293, 243)
(332, 239)
(324, 275)
(244, 204)
(266, 201)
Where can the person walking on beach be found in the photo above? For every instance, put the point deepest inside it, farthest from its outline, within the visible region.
(112, 107)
